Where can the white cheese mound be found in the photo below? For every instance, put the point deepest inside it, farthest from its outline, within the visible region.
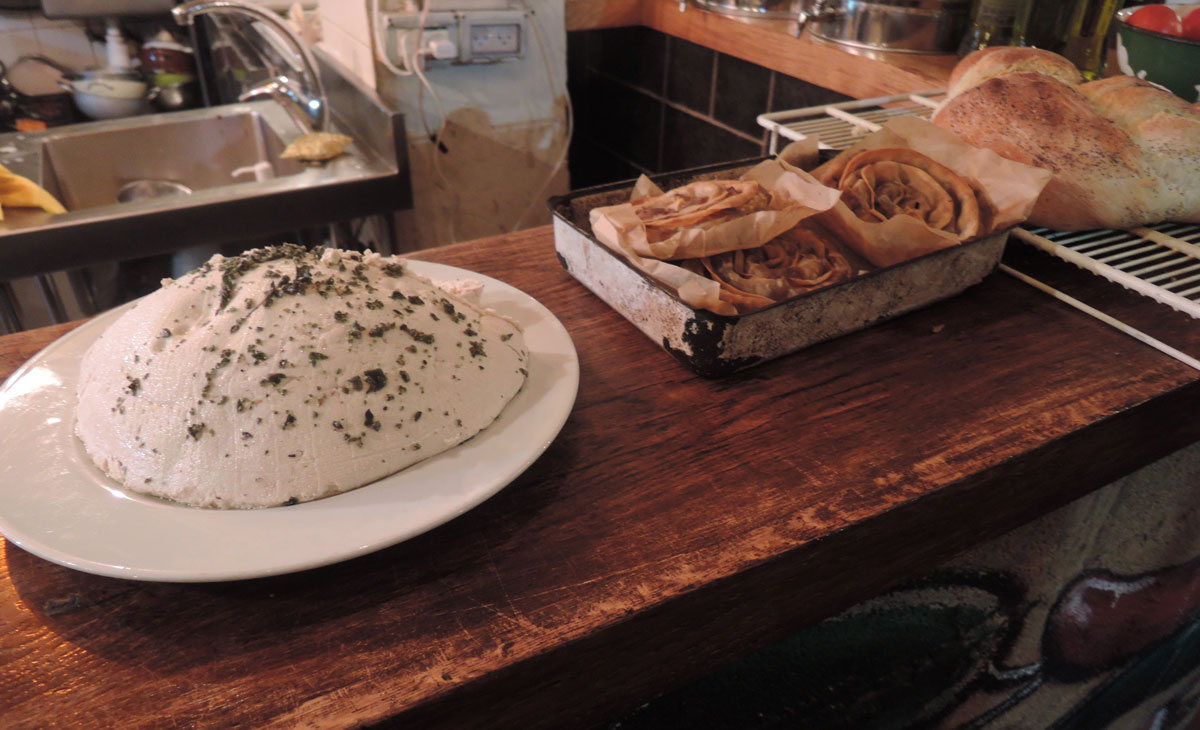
(285, 375)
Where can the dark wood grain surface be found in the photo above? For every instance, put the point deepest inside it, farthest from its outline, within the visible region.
(676, 523)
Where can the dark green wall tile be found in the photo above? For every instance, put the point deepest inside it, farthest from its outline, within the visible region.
(635, 55)
(592, 165)
(792, 93)
(742, 93)
(690, 74)
(689, 141)
(627, 121)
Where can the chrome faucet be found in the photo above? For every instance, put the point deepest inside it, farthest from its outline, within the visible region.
(310, 111)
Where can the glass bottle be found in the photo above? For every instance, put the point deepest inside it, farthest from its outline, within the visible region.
(1078, 30)
(995, 23)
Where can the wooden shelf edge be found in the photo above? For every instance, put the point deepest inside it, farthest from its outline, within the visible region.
(772, 44)
(591, 15)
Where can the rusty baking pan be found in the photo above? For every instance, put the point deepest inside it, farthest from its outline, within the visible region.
(714, 345)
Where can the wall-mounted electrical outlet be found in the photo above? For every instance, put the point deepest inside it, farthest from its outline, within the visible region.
(465, 5)
(478, 36)
(493, 40)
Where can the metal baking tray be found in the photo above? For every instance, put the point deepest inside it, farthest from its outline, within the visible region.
(714, 345)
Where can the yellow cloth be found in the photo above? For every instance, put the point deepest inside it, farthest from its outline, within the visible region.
(21, 192)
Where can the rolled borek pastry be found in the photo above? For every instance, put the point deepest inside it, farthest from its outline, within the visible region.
(796, 262)
(699, 205)
(880, 184)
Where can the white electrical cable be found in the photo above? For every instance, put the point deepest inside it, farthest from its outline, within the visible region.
(377, 41)
(568, 110)
(436, 138)
(437, 100)
(414, 63)
(420, 33)
(376, 21)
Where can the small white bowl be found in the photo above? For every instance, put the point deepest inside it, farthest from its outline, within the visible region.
(95, 106)
(112, 88)
(110, 98)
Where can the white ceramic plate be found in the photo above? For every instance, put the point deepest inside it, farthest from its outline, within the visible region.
(57, 505)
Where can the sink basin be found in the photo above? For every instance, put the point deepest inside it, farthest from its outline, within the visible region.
(107, 166)
(161, 183)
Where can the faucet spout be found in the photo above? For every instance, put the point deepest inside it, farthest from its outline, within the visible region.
(315, 107)
(285, 93)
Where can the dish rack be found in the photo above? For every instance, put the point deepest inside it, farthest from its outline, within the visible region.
(1161, 261)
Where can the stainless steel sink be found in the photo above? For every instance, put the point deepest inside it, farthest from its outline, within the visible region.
(105, 166)
(221, 168)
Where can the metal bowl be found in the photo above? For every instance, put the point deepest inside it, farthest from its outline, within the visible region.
(911, 26)
(752, 8)
(173, 97)
(150, 188)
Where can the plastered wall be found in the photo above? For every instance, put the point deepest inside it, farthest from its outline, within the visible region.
(502, 137)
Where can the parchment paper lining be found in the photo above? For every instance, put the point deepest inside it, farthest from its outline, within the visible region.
(1008, 188)
(619, 228)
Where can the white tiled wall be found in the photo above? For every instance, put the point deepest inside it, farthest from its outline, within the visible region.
(25, 32)
(346, 35)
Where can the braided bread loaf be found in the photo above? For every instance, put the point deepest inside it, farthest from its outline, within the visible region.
(1123, 151)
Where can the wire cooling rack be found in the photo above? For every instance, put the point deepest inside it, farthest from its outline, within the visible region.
(839, 126)
(1161, 262)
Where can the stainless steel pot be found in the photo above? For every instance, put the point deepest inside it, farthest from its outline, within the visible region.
(914, 26)
(752, 8)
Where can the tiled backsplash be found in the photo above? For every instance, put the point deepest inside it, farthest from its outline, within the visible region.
(646, 102)
(346, 34)
(28, 32)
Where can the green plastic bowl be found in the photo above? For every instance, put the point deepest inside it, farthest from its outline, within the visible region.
(171, 79)
(1166, 60)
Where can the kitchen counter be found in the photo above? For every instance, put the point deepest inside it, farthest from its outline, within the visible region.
(772, 43)
(675, 523)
